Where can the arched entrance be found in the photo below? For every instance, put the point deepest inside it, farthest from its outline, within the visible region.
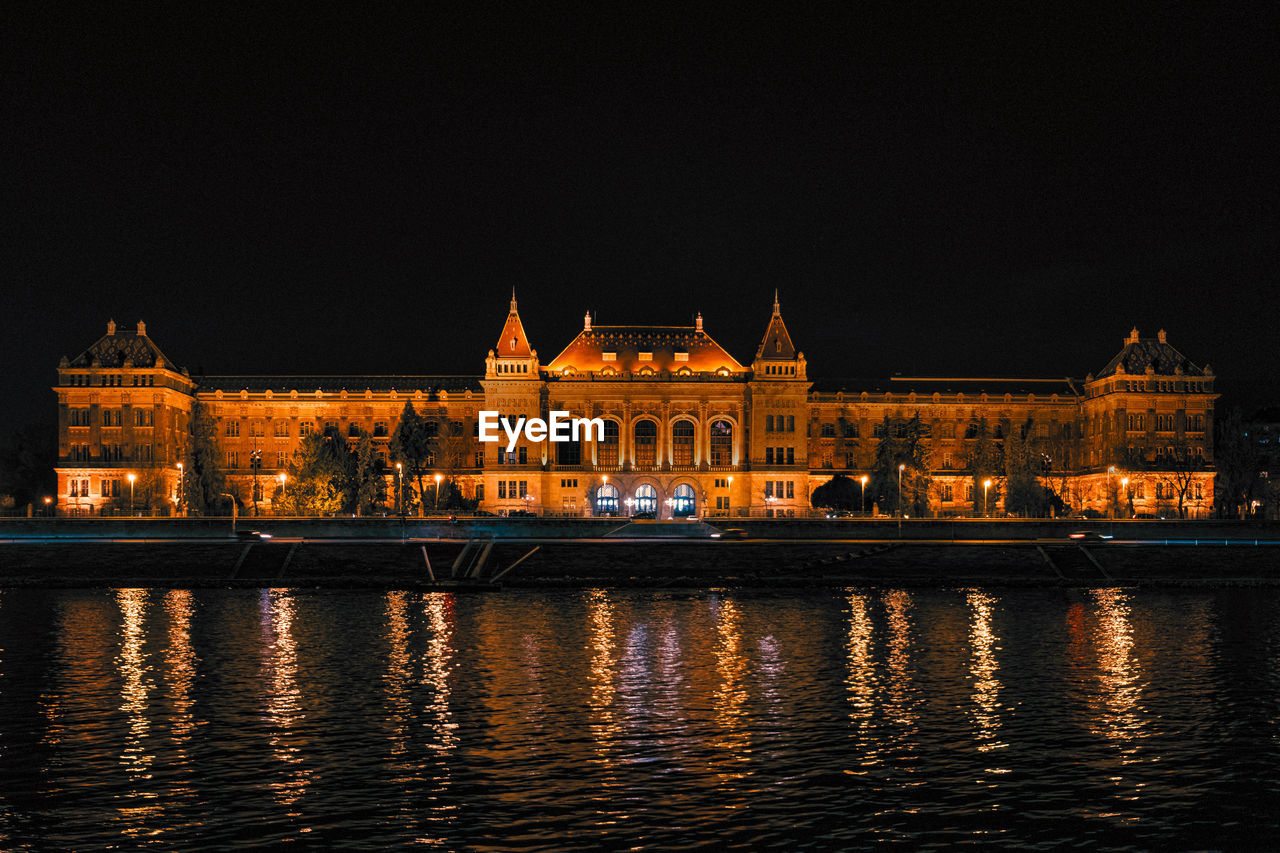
(683, 502)
(606, 500)
(646, 500)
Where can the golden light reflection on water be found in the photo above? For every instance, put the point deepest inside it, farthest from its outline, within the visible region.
(1118, 715)
(984, 670)
(731, 693)
(602, 691)
(139, 804)
(860, 675)
(180, 673)
(898, 705)
(398, 674)
(438, 608)
(284, 711)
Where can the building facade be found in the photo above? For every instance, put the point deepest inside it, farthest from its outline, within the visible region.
(689, 431)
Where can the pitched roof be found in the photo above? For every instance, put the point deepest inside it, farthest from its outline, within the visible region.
(513, 342)
(337, 384)
(970, 387)
(118, 346)
(1140, 353)
(670, 348)
(777, 341)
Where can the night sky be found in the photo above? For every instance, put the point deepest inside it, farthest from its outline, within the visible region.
(274, 191)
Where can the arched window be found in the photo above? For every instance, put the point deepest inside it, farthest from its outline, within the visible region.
(828, 430)
(971, 430)
(607, 500)
(683, 503)
(646, 500)
(607, 450)
(682, 443)
(646, 444)
(721, 443)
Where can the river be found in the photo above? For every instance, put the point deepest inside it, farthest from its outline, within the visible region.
(603, 719)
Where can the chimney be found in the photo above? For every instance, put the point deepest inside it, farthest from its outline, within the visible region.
(1160, 337)
(142, 328)
(111, 327)
(586, 322)
(1133, 336)
(697, 323)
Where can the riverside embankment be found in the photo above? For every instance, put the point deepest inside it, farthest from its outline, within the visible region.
(384, 553)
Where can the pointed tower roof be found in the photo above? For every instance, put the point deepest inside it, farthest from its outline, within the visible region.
(777, 341)
(513, 343)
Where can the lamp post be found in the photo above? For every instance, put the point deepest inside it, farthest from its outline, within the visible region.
(1111, 489)
(986, 485)
(770, 500)
(1128, 499)
(630, 502)
(182, 488)
(863, 480)
(399, 489)
(528, 500)
(284, 478)
(48, 501)
(729, 500)
(255, 462)
(131, 478)
(438, 478)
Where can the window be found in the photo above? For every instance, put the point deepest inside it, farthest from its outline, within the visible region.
(568, 452)
(828, 431)
(682, 501)
(331, 428)
(682, 443)
(947, 494)
(608, 356)
(768, 423)
(997, 431)
(353, 430)
(721, 443)
(607, 450)
(722, 483)
(144, 417)
(971, 430)
(380, 429)
(768, 456)
(431, 429)
(791, 455)
(79, 417)
(522, 453)
(306, 428)
(256, 429)
(646, 499)
(282, 458)
(111, 417)
(682, 356)
(768, 488)
(606, 499)
(479, 459)
(569, 483)
(233, 459)
(1164, 423)
(479, 492)
(1195, 423)
(646, 436)
(1137, 423)
(791, 489)
(645, 356)
(502, 490)
(280, 429)
(849, 429)
(232, 429)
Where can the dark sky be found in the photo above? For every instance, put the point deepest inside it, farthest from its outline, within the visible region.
(279, 192)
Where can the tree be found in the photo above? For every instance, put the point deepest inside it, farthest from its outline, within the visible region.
(411, 445)
(1179, 472)
(1024, 494)
(205, 480)
(1238, 464)
(317, 477)
(984, 461)
(903, 444)
(838, 493)
(27, 459)
(370, 486)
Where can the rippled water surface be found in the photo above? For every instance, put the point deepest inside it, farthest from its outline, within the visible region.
(193, 720)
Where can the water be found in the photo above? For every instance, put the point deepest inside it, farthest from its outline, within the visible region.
(193, 720)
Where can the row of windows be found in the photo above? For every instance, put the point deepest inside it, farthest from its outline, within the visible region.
(779, 489)
(1165, 422)
(112, 379)
(512, 489)
(779, 423)
(81, 417)
(780, 456)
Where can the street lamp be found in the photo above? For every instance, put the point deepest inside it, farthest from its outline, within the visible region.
(255, 462)
(986, 484)
(1124, 484)
(863, 480)
(283, 478)
(131, 478)
(438, 478)
(728, 500)
(47, 501)
(182, 487)
(399, 489)
(528, 501)
(630, 502)
(1111, 495)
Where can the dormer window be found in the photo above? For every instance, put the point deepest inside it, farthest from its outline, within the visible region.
(777, 344)
(646, 356)
(682, 356)
(608, 356)
(513, 344)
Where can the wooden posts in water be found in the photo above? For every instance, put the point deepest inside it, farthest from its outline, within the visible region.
(430, 574)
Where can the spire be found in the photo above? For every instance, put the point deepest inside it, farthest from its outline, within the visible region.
(777, 341)
(513, 343)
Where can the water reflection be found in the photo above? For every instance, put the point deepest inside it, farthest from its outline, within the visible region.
(731, 693)
(398, 674)
(283, 707)
(180, 672)
(1119, 673)
(984, 670)
(860, 672)
(140, 803)
(438, 608)
(601, 691)
(898, 698)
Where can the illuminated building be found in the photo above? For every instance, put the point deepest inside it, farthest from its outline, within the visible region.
(689, 430)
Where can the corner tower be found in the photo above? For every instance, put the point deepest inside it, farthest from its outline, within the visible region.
(778, 394)
(513, 388)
